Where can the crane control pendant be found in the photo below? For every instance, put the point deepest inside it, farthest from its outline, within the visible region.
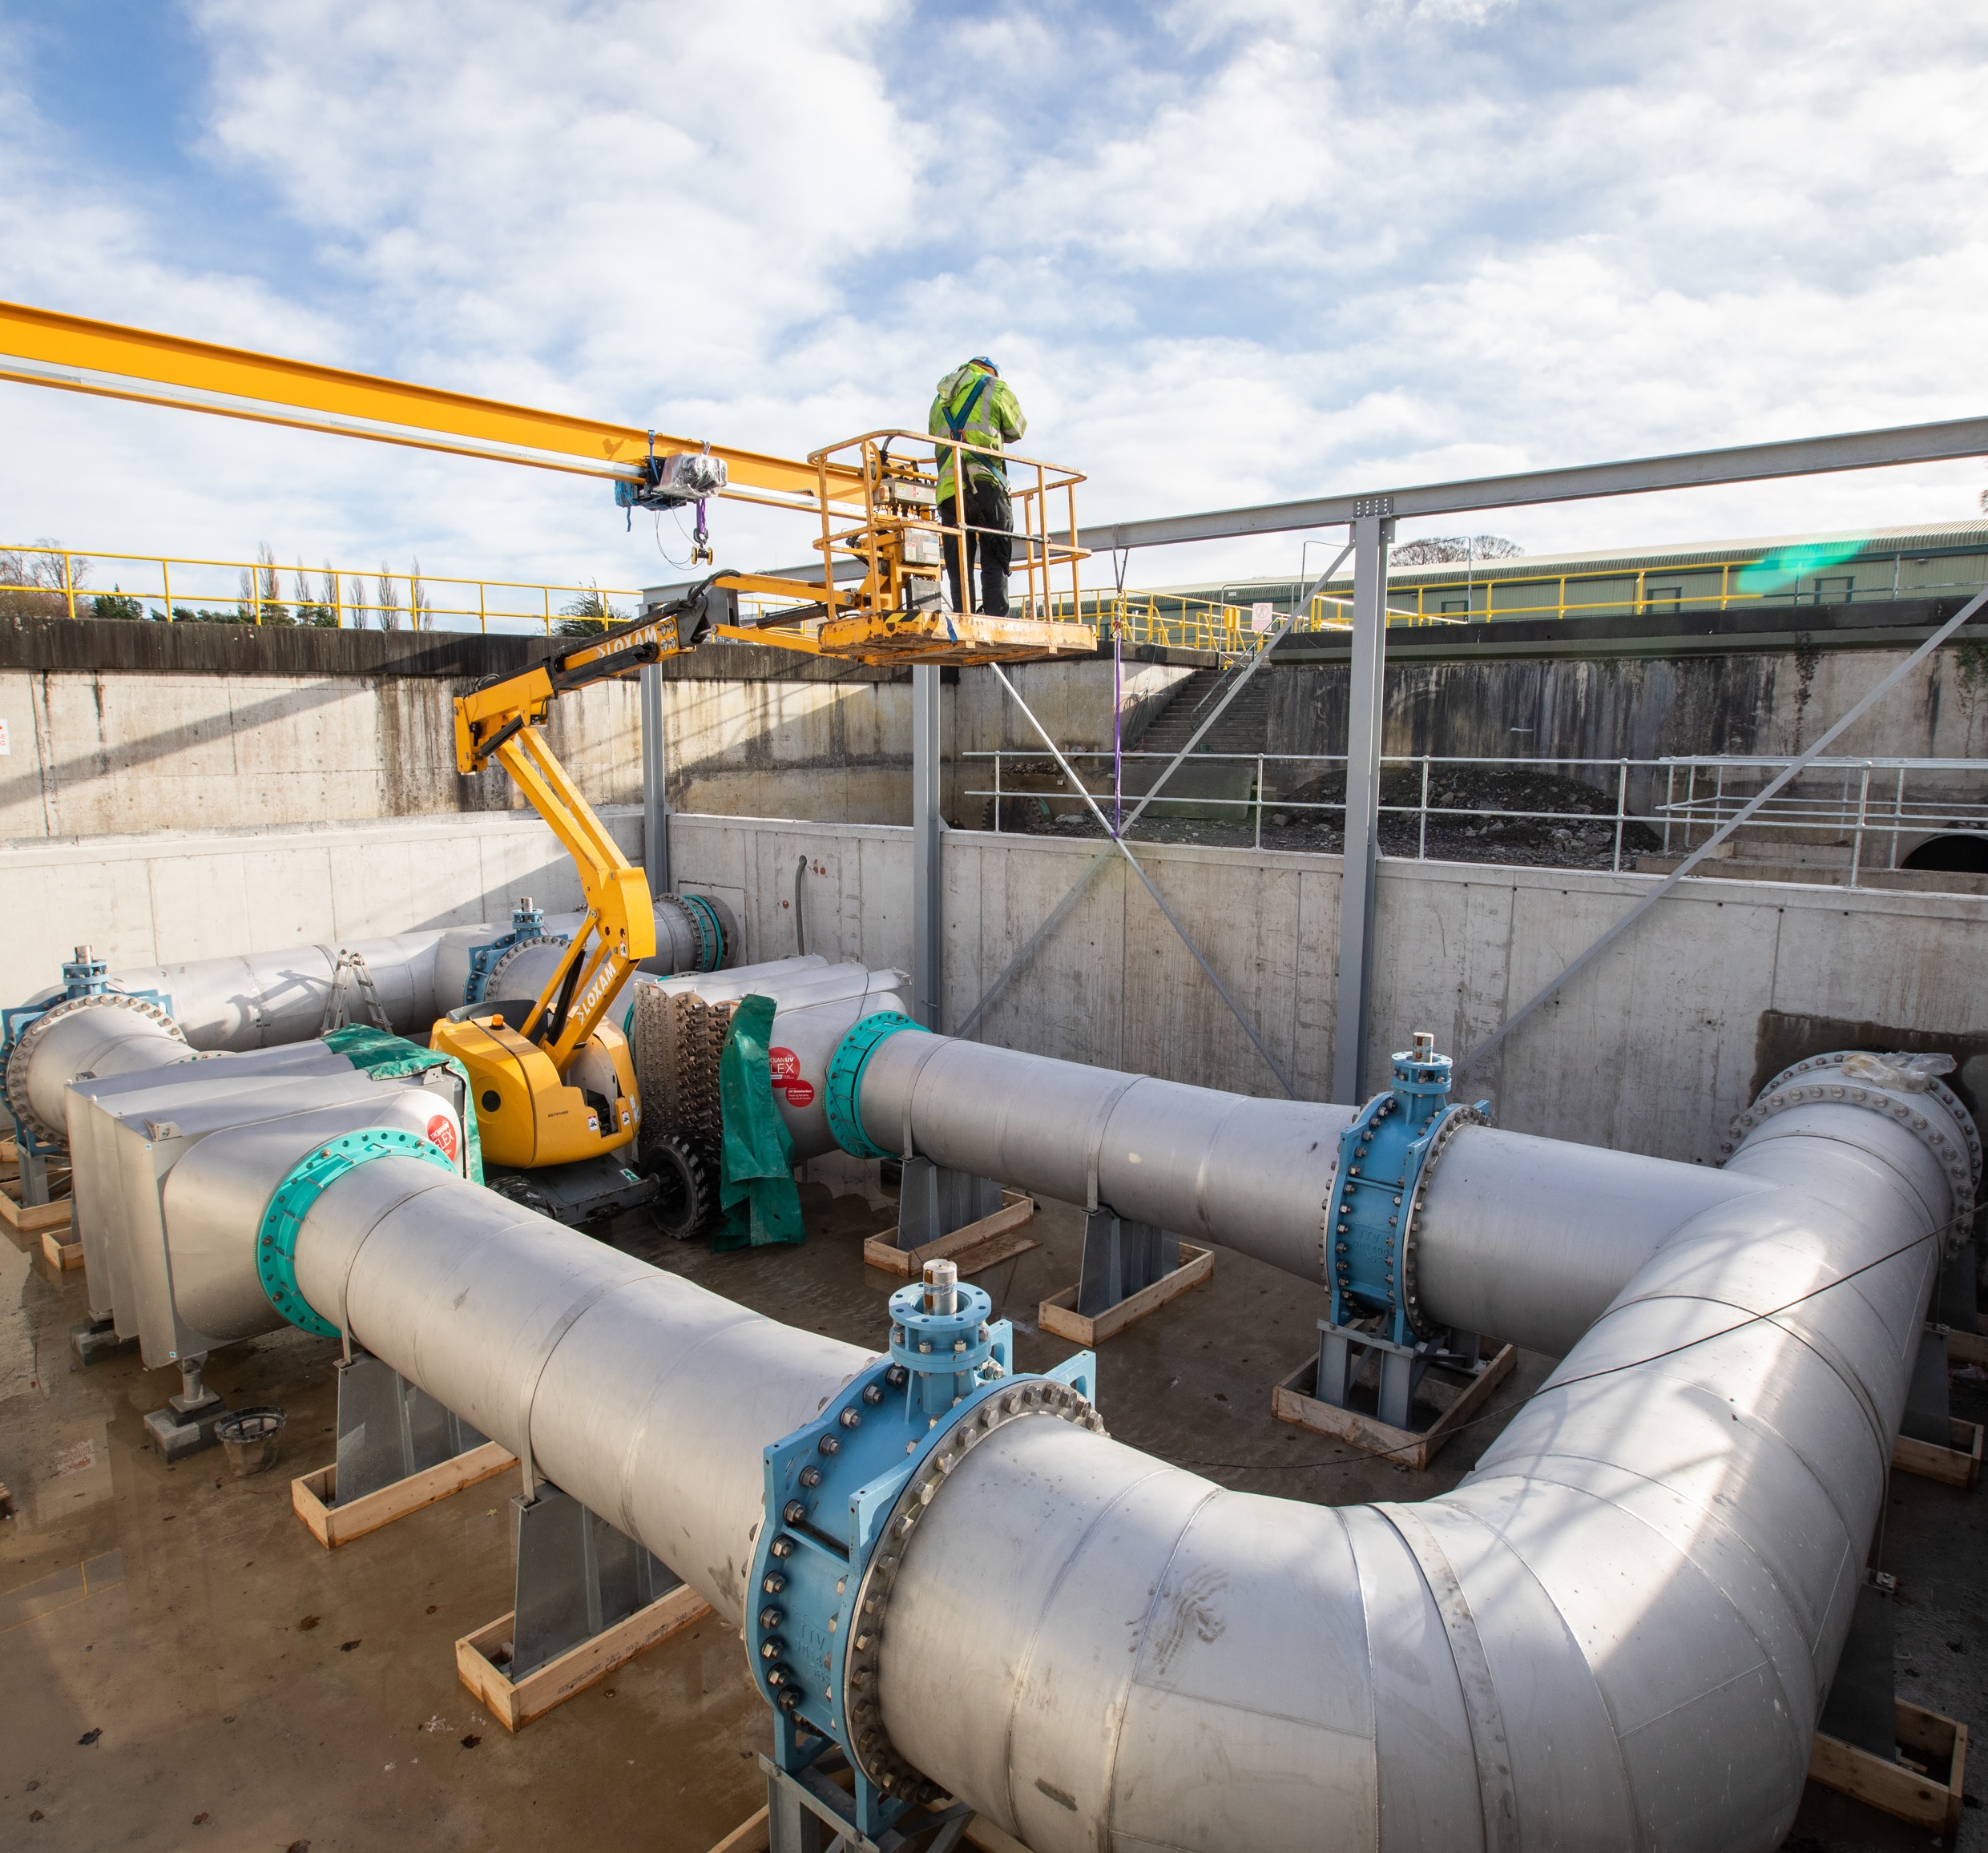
(1384, 1158)
(844, 1496)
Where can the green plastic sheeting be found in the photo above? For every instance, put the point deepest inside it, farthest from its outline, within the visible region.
(757, 1175)
(376, 1052)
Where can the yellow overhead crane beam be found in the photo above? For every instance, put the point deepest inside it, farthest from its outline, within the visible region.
(41, 347)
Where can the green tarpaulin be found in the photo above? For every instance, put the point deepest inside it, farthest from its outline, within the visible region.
(757, 1175)
(374, 1052)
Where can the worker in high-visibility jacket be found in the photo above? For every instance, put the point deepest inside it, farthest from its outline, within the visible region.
(976, 406)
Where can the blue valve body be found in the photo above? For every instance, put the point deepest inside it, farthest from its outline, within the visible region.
(1367, 1222)
(830, 1489)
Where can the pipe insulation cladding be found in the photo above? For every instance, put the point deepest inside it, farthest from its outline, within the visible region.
(1618, 1632)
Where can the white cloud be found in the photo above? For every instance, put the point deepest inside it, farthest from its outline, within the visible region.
(1228, 254)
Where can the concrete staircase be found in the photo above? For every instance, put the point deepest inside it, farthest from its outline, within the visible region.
(1244, 726)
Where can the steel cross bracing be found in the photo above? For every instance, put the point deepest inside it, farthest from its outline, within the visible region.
(1792, 771)
(1061, 911)
(1159, 900)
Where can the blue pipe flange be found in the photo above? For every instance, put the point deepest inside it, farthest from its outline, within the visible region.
(527, 923)
(844, 1495)
(711, 933)
(1384, 1161)
(842, 1097)
(276, 1242)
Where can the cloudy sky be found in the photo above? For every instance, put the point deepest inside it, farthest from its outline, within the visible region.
(1230, 252)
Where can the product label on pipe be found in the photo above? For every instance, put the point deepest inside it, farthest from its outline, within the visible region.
(784, 1065)
(441, 1133)
(799, 1094)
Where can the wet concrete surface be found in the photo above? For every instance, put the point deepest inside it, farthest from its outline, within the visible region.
(183, 1666)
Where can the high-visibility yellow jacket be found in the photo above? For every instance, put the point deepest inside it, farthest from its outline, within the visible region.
(977, 407)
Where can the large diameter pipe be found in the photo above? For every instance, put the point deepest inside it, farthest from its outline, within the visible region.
(1255, 1175)
(1617, 1632)
(104, 1037)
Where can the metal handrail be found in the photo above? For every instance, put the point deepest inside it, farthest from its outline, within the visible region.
(352, 596)
(1857, 812)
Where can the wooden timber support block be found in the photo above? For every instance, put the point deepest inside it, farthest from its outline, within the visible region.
(61, 1248)
(514, 1704)
(1929, 1796)
(972, 1250)
(1966, 1348)
(1057, 1314)
(1959, 1465)
(312, 1494)
(754, 1834)
(35, 1219)
(1292, 1401)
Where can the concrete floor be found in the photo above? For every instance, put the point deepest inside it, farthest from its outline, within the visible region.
(182, 1666)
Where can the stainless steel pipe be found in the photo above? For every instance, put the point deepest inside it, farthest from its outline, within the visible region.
(1617, 1632)
(1524, 1237)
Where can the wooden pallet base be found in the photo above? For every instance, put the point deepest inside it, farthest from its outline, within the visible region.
(1057, 1314)
(1959, 1465)
(61, 1248)
(514, 1704)
(1292, 1401)
(312, 1495)
(972, 1250)
(1927, 1791)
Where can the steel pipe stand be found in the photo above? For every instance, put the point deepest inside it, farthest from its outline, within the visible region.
(978, 1246)
(808, 1810)
(1058, 1313)
(483, 1658)
(1293, 1401)
(1923, 1780)
(314, 1496)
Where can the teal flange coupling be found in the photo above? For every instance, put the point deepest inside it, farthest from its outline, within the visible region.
(710, 935)
(842, 1097)
(1370, 1220)
(276, 1242)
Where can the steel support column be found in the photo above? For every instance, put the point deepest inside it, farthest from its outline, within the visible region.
(1372, 531)
(655, 803)
(928, 898)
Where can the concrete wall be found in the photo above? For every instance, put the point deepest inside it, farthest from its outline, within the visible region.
(165, 896)
(1643, 707)
(1654, 1048)
(116, 750)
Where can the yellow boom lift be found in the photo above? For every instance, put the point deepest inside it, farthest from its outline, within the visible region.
(557, 1085)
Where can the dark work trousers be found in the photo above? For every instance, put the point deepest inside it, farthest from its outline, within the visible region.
(987, 507)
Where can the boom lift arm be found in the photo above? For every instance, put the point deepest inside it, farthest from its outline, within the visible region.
(500, 721)
(556, 1083)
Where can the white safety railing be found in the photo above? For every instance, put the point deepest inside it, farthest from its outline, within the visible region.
(1830, 819)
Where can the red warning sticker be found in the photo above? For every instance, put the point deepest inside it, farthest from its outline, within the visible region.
(441, 1131)
(784, 1065)
(800, 1094)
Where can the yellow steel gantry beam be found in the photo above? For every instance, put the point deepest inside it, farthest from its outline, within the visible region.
(41, 347)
